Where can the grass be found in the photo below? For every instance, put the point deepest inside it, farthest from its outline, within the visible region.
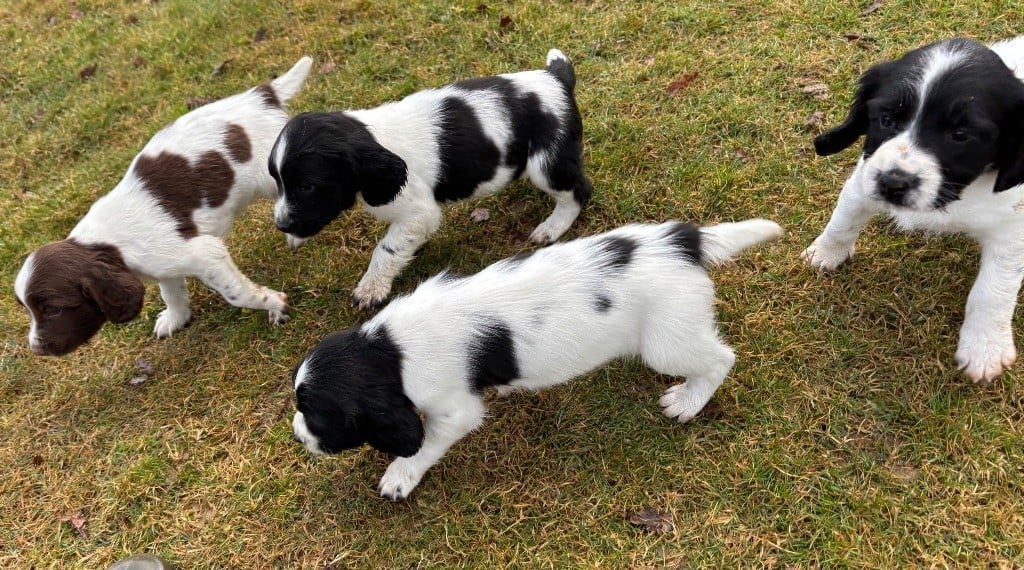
(843, 437)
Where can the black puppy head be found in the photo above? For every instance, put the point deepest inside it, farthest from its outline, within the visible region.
(934, 121)
(349, 392)
(320, 162)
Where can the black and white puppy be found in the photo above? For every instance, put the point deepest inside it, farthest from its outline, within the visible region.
(943, 151)
(405, 159)
(527, 322)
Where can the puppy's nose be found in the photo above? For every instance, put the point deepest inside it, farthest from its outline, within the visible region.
(894, 184)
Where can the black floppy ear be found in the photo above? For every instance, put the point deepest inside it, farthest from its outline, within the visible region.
(397, 430)
(115, 289)
(856, 123)
(379, 173)
(1010, 161)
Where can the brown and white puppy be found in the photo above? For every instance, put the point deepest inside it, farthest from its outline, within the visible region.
(163, 221)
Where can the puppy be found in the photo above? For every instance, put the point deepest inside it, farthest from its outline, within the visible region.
(943, 151)
(527, 322)
(405, 159)
(163, 221)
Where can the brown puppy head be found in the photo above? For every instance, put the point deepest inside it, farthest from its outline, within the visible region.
(70, 289)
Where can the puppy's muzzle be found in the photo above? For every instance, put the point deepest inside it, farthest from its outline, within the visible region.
(895, 185)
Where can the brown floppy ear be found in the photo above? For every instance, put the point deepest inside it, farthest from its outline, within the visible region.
(114, 288)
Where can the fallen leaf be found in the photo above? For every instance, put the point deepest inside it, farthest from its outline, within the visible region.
(872, 8)
(259, 36)
(197, 102)
(87, 71)
(904, 472)
(220, 66)
(712, 411)
(682, 82)
(651, 520)
(480, 215)
(137, 61)
(51, 20)
(862, 41)
(132, 19)
(489, 41)
(144, 365)
(77, 521)
(76, 14)
(482, 8)
(327, 67)
(814, 119)
(38, 460)
(742, 154)
(504, 23)
(649, 60)
(815, 88)
(136, 380)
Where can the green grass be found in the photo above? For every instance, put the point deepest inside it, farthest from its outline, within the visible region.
(843, 437)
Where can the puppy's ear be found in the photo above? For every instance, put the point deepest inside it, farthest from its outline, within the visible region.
(1010, 161)
(856, 123)
(398, 431)
(115, 289)
(379, 173)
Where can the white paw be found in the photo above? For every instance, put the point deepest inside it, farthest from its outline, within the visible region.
(399, 480)
(295, 242)
(680, 402)
(826, 256)
(983, 357)
(506, 390)
(277, 307)
(370, 295)
(168, 322)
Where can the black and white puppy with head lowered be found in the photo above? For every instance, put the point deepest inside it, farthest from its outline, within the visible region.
(403, 160)
(943, 151)
(527, 322)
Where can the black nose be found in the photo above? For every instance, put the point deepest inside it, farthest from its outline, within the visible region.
(895, 184)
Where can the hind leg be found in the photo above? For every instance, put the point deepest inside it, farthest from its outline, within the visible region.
(562, 179)
(671, 347)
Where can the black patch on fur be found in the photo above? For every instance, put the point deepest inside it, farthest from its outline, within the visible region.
(492, 356)
(618, 252)
(602, 303)
(387, 248)
(352, 394)
(329, 159)
(685, 238)
(468, 157)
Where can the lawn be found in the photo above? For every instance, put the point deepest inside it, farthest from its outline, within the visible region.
(844, 435)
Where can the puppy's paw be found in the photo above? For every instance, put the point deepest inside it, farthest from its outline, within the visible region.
(984, 357)
(506, 390)
(399, 480)
(370, 295)
(826, 256)
(277, 307)
(295, 242)
(682, 403)
(169, 322)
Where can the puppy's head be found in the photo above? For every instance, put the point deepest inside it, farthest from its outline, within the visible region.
(348, 391)
(320, 162)
(70, 290)
(934, 121)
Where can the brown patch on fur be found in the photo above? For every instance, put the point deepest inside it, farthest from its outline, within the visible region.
(75, 288)
(269, 95)
(237, 142)
(182, 188)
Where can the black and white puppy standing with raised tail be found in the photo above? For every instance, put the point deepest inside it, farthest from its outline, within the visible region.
(527, 322)
(403, 160)
(943, 151)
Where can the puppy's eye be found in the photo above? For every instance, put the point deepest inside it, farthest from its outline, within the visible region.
(886, 121)
(307, 189)
(959, 135)
(51, 311)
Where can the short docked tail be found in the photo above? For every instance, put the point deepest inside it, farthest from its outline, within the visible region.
(720, 243)
(560, 66)
(286, 86)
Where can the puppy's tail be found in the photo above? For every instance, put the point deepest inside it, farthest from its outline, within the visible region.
(720, 243)
(560, 66)
(286, 86)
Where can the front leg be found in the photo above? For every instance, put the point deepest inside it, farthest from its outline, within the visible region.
(391, 255)
(441, 432)
(218, 272)
(177, 314)
(986, 338)
(853, 211)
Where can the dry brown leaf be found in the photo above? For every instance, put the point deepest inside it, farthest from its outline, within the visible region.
(480, 215)
(137, 61)
(504, 23)
(651, 520)
(682, 82)
(77, 521)
(259, 36)
(872, 8)
(327, 67)
(815, 89)
(814, 119)
(87, 71)
(904, 472)
(132, 19)
(220, 66)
